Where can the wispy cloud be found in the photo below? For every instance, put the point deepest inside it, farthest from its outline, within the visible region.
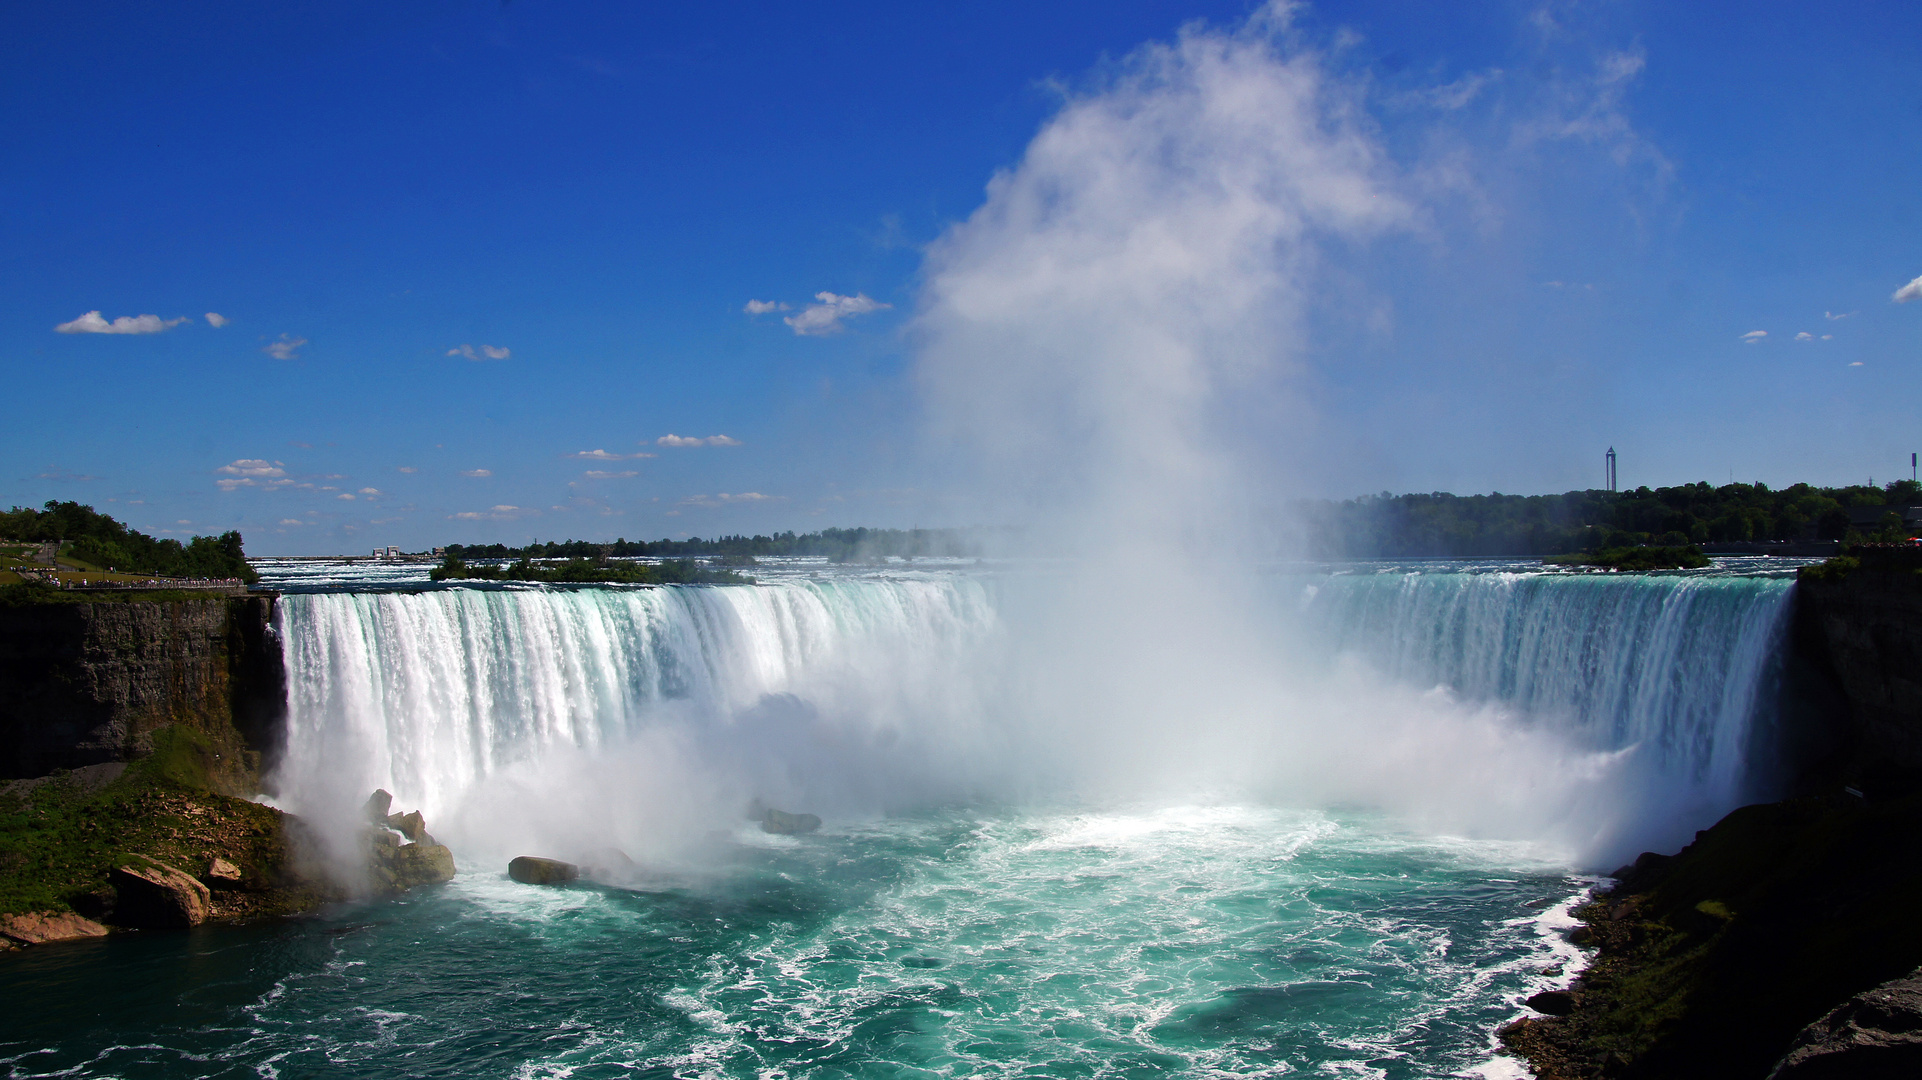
(487, 352)
(602, 474)
(407, 469)
(694, 440)
(478, 474)
(60, 475)
(501, 512)
(1833, 317)
(346, 495)
(216, 320)
(92, 323)
(825, 317)
(1804, 336)
(292, 521)
(723, 498)
(370, 491)
(1911, 291)
(606, 455)
(1754, 336)
(762, 307)
(284, 348)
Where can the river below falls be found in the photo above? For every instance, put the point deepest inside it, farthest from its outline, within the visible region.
(1178, 941)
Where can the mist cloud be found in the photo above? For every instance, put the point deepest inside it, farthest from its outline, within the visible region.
(1150, 253)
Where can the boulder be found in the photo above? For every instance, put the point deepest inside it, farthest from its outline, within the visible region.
(149, 893)
(786, 824)
(1553, 1002)
(40, 927)
(1874, 1035)
(221, 874)
(411, 825)
(534, 870)
(378, 804)
(608, 864)
(422, 864)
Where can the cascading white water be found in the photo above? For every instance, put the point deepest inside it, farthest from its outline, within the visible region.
(1598, 713)
(428, 693)
(1673, 663)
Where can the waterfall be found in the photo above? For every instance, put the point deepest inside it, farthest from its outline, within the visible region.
(425, 693)
(1677, 664)
(1596, 712)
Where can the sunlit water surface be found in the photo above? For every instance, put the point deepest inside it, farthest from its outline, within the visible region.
(1199, 940)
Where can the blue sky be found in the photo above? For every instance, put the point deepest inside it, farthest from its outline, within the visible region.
(458, 246)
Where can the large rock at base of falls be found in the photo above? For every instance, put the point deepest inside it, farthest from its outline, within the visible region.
(786, 824)
(422, 864)
(411, 825)
(378, 804)
(534, 870)
(1874, 1035)
(40, 927)
(149, 893)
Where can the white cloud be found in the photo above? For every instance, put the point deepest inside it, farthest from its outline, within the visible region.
(92, 323)
(1832, 316)
(1911, 291)
(370, 491)
(407, 469)
(479, 474)
(253, 472)
(825, 317)
(1754, 336)
(1857, 363)
(292, 521)
(1804, 336)
(606, 455)
(695, 440)
(501, 512)
(723, 498)
(487, 352)
(284, 348)
(216, 320)
(347, 495)
(602, 474)
(762, 307)
(1828, 337)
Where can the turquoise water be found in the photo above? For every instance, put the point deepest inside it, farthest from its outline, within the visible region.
(1189, 941)
(1329, 829)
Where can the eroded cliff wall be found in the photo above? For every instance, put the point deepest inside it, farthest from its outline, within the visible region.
(82, 684)
(1863, 624)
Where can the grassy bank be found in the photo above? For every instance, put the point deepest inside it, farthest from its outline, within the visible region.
(60, 837)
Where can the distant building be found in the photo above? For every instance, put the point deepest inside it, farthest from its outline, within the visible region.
(440, 553)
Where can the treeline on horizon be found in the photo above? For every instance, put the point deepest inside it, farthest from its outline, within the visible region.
(1438, 524)
(838, 545)
(88, 536)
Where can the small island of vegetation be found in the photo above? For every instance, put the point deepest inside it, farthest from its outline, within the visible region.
(591, 571)
(1681, 557)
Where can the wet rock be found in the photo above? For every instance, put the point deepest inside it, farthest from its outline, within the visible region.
(411, 825)
(1874, 1035)
(1553, 1002)
(378, 805)
(150, 894)
(422, 864)
(608, 864)
(221, 874)
(41, 927)
(534, 870)
(786, 824)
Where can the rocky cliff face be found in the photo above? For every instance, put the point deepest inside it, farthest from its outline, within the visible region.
(82, 684)
(1863, 623)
